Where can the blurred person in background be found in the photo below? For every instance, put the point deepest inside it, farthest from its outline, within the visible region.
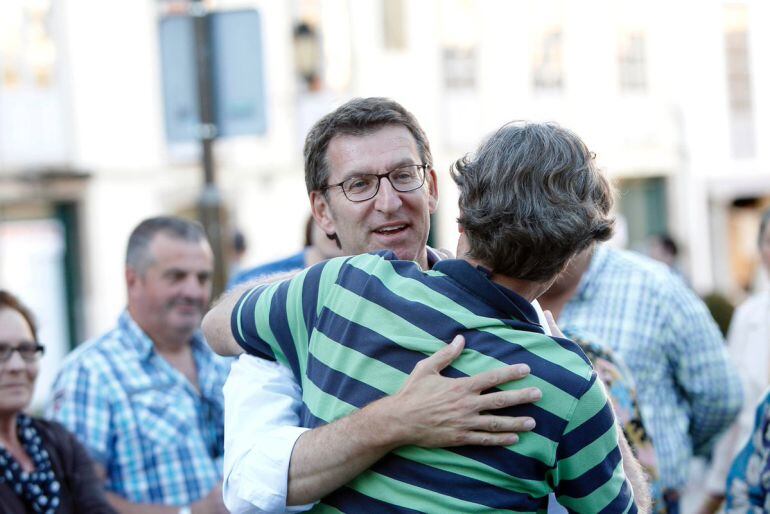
(663, 248)
(748, 481)
(377, 143)
(748, 341)
(238, 247)
(318, 247)
(43, 467)
(146, 398)
(687, 387)
(621, 389)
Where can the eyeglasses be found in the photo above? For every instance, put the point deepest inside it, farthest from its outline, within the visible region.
(360, 188)
(28, 351)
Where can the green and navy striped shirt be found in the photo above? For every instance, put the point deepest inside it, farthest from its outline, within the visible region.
(352, 329)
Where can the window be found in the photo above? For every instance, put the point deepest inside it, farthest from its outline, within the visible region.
(632, 63)
(394, 30)
(739, 92)
(548, 69)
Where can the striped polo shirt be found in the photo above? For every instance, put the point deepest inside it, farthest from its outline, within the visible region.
(352, 329)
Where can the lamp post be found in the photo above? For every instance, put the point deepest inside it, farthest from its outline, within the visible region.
(210, 202)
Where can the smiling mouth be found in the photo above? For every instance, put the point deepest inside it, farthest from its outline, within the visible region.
(395, 229)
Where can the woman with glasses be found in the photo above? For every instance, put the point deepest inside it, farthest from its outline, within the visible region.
(42, 466)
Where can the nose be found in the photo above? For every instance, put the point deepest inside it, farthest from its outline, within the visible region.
(192, 287)
(387, 199)
(15, 363)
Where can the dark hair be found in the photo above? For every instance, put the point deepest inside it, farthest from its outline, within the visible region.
(357, 117)
(530, 199)
(668, 244)
(9, 301)
(137, 255)
(239, 242)
(763, 225)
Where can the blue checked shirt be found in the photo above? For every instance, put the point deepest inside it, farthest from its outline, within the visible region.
(687, 388)
(159, 440)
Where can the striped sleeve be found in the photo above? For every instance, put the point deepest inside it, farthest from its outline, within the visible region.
(273, 321)
(589, 475)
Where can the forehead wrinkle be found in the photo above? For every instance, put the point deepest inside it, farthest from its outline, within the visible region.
(359, 154)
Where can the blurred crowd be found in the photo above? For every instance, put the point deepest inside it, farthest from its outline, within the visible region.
(155, 417)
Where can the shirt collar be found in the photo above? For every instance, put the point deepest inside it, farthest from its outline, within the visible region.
(588, 283)
(141, 342)
(478, 281)
(433, 257)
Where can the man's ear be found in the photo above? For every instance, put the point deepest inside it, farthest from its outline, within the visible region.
(319, 206)
(432, 180)
(132, 278)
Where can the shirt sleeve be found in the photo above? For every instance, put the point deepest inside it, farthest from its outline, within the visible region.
(79, 401)
(262, 401)
(746, 491)
(702, 367)
(589, 476)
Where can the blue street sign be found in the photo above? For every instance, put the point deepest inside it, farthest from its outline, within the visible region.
(237, 75)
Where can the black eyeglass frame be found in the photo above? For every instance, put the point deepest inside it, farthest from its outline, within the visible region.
(39, 350)
(423, 166)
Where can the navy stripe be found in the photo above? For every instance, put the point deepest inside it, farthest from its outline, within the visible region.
(350, 500)
(573, 347)
(505, 461)
(338, 384)
(621, 501)
(372, 344)
(309, 420)
(587, 433)
(548, 425)
(455, 485)
(513, 353)
(497, 304)
(279, 324)
(377, 347)
(445, 328)
(593, 478)
(252, 343)
(310, 295)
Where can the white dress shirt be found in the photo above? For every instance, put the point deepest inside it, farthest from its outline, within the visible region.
(262, 403)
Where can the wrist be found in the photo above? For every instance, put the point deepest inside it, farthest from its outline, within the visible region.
(382, 425)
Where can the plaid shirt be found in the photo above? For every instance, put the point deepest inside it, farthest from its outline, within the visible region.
(687, 388)
(158, 438)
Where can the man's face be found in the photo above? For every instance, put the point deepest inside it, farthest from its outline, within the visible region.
(172, 294)
(391, 220)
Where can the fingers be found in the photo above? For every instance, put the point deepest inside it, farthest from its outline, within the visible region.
(555, 331)
(503, 399)
(489, 430)
(495, 377)
(442, 358)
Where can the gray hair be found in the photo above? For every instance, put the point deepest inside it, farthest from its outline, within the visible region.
(530, 199)
(137, 253)
(357, 117)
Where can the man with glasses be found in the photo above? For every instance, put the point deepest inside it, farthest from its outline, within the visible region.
(145, 398)
(371, 184)
(354, 329)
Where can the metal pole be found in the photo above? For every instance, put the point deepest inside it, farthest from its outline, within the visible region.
(210, 203)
